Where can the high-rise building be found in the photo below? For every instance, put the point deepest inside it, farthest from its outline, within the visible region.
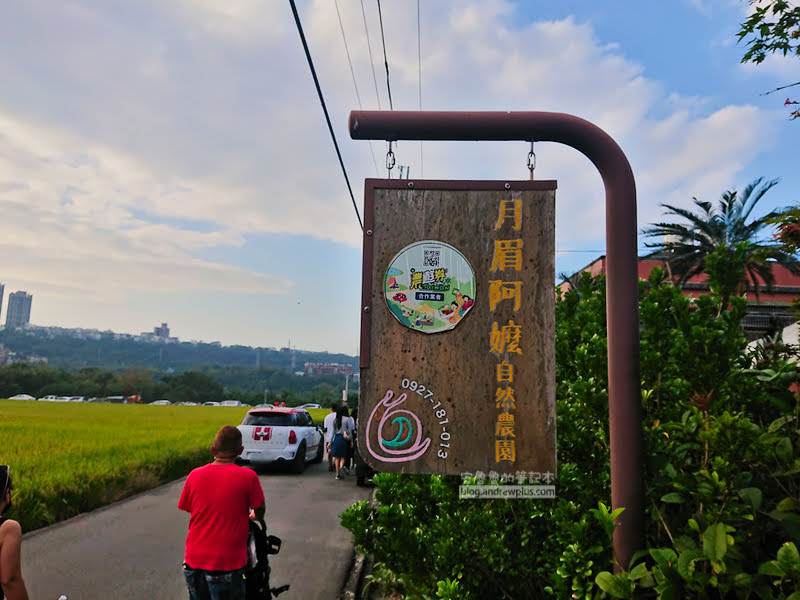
(2, 288)
(18, 313)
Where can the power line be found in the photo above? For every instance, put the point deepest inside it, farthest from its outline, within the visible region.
(324, 108)
(347, 51)
(353, 75)
(385, 60)
(783, 87)
(371, 61)
(419, 77)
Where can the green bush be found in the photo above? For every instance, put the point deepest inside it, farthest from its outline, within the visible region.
(722, 475)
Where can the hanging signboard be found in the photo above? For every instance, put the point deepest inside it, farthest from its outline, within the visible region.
(458, 327)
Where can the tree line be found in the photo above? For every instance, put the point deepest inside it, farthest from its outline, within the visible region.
(205, 384)
(66, 351)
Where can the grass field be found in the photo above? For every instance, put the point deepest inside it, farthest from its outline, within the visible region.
(68, 458)
(318, 414)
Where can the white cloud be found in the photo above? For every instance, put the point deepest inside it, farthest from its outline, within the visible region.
(69, 219)
(136, 137)
(236, 21)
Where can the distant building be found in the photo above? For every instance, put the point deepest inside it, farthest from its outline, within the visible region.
(159, 335)
(18, 313)
(2, 288)
(328, 369)
(769, 312)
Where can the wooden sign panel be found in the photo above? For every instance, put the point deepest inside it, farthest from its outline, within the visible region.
(458, 327)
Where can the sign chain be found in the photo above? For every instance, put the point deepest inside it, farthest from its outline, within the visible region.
(531, 160)
(390, 160)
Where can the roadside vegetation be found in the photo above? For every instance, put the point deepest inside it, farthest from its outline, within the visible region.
(74, 457)
(721, 425)
(722, 478)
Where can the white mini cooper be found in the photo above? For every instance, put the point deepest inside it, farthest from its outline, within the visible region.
(281, 435)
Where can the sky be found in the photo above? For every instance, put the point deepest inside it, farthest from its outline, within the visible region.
(169, 161)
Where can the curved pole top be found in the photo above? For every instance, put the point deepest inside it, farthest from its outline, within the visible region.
(534, 126)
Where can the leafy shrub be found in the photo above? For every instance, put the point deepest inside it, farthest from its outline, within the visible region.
(721, 475)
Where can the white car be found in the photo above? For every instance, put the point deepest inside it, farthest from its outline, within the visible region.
(281, 435)
(230, 403)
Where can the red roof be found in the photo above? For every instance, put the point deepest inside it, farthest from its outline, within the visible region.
(785, 288)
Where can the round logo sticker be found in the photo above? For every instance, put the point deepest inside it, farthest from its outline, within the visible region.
(429, 286)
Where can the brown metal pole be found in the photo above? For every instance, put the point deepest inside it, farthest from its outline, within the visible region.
(624, 393)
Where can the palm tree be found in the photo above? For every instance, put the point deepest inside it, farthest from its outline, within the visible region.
(722, 243)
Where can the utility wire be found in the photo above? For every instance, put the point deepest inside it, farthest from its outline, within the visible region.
(324, 108)
(353, 75)
(347, 51)
(783, 87)
(419, 73)
(371, 60)
(385, 60)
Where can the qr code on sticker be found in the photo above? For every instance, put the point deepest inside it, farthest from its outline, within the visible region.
(431, 258)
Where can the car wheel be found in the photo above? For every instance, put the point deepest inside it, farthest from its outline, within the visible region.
(299, 462)
(320, 452)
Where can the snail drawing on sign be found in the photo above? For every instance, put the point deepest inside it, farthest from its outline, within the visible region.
(408, 444)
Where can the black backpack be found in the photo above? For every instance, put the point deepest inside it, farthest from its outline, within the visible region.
(256, 573)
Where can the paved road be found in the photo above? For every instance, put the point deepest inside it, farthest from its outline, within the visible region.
(132, 550)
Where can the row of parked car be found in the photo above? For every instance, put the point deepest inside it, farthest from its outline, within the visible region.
(119, 400)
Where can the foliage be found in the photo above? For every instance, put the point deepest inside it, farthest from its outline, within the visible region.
(788, 224)
(105, 351)
(725, 497)
(788, 236)
(70, 458)
(724, 242)
(722, 474)
(773, 26)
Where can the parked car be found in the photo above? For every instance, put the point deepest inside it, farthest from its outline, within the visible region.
(161, 403)
(22, 397)
(210, 403)
(230, 403)
(310, 405)
(280, 435)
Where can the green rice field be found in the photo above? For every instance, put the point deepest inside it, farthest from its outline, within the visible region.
(69, 458)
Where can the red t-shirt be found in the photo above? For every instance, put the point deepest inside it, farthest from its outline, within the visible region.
(219, 498)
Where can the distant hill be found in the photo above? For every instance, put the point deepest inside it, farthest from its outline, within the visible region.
(66, 351)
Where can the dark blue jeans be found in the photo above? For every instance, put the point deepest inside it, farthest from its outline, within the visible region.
(214, 585)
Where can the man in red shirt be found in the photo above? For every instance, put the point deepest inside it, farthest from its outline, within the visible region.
(220, 497)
